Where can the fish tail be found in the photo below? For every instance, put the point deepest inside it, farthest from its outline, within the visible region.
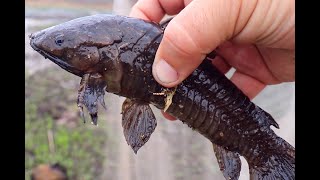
(280, 165)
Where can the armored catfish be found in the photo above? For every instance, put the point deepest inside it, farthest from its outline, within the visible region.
(115, 54)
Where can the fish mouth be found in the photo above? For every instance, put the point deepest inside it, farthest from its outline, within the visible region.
(57, 60)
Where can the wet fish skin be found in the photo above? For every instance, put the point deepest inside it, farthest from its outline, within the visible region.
(118, 52)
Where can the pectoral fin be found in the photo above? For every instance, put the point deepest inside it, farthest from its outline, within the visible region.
(138, 122)
(90, 92)
(229, 162)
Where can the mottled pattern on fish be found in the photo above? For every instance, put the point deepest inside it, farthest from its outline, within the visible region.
(115, 53)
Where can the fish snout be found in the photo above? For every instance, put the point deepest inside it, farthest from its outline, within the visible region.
(35, 39)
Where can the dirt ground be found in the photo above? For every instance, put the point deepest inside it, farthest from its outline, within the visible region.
(174, 151)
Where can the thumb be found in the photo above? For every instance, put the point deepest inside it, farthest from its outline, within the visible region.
(197, 30)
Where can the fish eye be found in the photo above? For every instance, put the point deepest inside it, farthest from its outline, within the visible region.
(59, 40)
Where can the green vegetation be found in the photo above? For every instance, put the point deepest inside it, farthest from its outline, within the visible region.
(52, 134)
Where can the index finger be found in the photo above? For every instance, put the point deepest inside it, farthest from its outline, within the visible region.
(154, 10)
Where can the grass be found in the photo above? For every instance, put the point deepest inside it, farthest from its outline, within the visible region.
(50, 95)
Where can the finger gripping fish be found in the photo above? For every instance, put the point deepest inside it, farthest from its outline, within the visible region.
(115, 54)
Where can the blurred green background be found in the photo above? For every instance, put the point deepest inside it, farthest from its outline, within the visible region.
(55, 132)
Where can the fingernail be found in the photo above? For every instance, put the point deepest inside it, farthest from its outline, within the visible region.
(165, 72)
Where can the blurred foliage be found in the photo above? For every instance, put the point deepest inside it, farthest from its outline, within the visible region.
(49, 96)
(72, 5)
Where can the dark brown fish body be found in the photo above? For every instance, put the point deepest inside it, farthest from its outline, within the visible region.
(116, 53)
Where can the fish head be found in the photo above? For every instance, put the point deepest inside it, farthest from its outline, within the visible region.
(74, 45)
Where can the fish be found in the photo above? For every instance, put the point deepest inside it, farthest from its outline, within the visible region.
(114, 54)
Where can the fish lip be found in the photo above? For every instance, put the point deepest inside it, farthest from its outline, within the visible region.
(57, 61)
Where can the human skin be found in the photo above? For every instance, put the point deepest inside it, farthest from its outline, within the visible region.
(254, 37)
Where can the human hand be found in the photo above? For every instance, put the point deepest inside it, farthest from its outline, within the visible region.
(255, 37)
